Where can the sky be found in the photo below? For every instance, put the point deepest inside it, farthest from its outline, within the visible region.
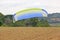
(13, 6)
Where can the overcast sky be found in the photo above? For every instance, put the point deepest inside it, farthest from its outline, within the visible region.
(12, 6)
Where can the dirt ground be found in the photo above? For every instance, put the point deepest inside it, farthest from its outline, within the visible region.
(29, 33)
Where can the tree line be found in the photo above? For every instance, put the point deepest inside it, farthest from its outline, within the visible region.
(7, 21)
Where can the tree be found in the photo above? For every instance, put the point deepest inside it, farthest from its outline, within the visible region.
(1, 23)
(43, 23)
(1, 18)
(1, 14)
(8, 20)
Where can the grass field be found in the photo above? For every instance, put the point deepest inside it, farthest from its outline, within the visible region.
(29, 33)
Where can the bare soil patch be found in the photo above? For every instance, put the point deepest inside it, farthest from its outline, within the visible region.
(29, 33)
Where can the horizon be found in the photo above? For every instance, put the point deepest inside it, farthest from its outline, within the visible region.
(48, 14)
(13, 6)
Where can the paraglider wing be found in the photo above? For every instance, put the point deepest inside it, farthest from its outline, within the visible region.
(30, 13)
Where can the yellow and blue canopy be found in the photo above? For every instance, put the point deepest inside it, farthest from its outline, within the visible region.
(30, 13)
